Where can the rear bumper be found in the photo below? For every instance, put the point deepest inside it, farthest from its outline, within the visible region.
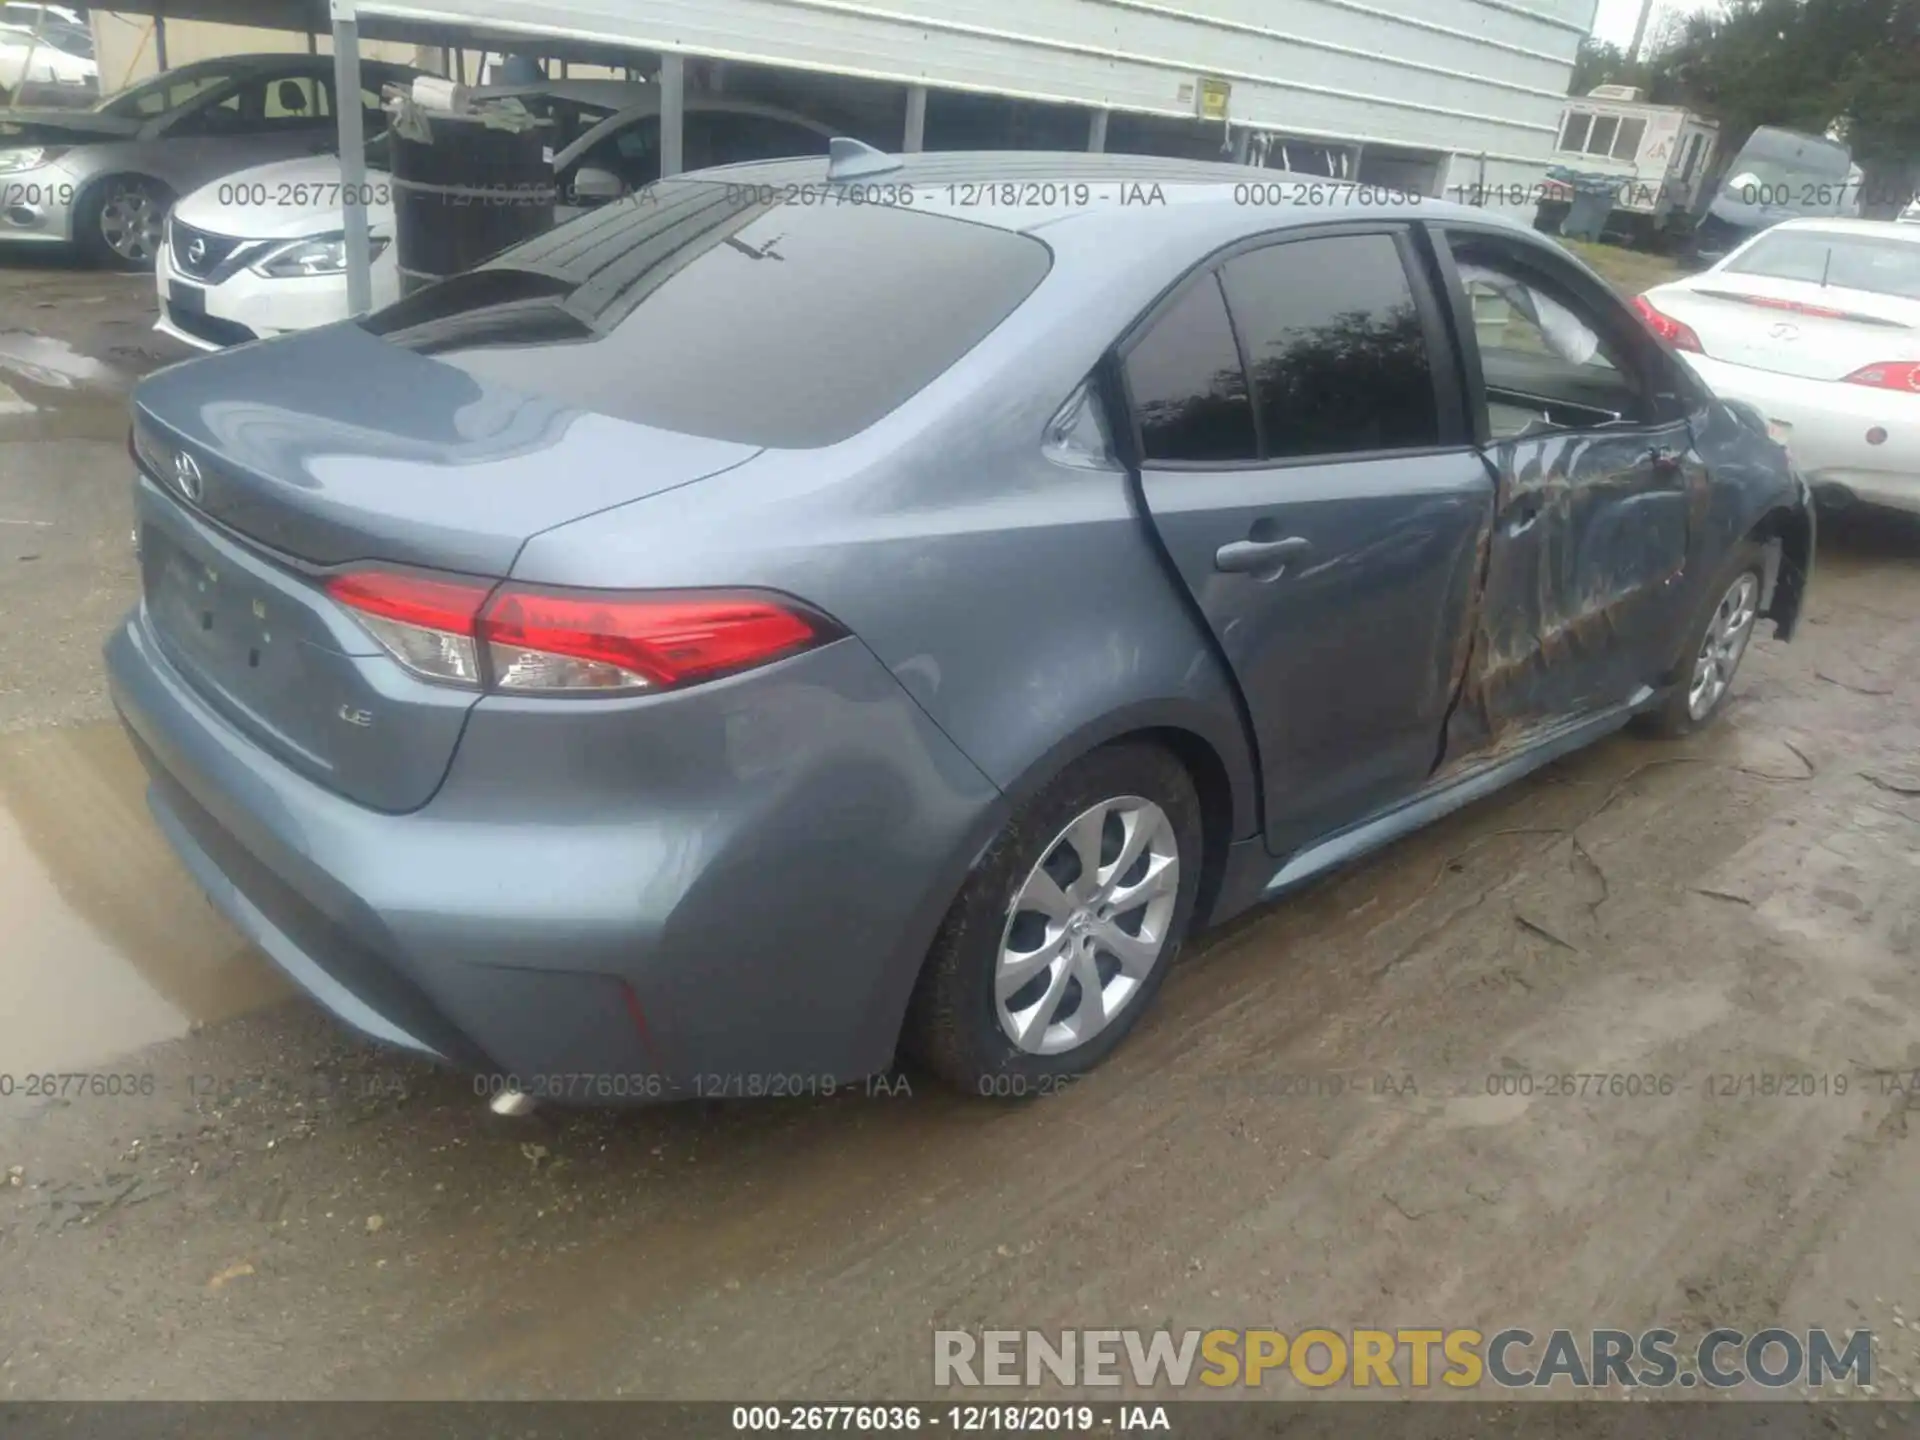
(730, 895)
(1829, 424)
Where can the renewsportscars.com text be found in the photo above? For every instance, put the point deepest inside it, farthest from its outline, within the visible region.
(1511, 1359)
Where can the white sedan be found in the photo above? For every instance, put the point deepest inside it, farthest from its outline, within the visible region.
(261, 253)
(1816, 323)
(30, 60)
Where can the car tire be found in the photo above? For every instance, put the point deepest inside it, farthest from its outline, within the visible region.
(974, 992)
(120, 221)
(1695, 697)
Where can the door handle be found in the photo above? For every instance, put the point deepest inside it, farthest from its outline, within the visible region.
(1262, 559)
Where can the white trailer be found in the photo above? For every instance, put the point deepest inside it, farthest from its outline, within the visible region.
(1660, 155)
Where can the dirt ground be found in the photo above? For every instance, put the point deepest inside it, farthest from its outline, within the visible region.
(1311, 1130)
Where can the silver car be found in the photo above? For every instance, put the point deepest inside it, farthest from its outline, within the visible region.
(816, 606)
(103, 179)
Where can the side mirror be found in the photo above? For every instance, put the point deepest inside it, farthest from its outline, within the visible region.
(594, 186)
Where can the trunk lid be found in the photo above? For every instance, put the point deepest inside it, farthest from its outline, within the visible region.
(333, 449)
(335, 446)
(1793, 327)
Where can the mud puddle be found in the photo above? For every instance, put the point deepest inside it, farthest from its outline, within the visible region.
(52, 364)
(110, 945)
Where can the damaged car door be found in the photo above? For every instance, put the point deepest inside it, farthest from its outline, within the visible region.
(1595, 473)
(1304, 457)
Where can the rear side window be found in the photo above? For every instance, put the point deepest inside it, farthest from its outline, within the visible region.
(1189, 392)
(689, 308)
(1335, 345)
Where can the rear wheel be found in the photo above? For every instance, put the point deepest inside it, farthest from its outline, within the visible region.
(1717, 644)
(120, 222)
(1065, 931)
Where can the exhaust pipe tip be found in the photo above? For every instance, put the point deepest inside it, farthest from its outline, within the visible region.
(511, 1103)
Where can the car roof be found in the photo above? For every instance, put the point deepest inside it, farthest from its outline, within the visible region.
(1835, 225)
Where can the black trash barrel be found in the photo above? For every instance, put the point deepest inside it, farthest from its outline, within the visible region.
(466, 194)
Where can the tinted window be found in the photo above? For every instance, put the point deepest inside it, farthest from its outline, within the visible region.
(684, 308)
(1189, 392)
(227, 117)
(1334, 341)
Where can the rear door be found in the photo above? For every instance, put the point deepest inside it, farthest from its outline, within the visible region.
(1304, 460)
(1585, 423)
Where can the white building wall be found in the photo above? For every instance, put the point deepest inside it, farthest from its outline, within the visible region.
(1470, 77)
(123, 45)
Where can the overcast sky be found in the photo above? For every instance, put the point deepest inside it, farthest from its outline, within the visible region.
(1616, 17)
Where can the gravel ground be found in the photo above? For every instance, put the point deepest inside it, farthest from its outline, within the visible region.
(1312, 1129)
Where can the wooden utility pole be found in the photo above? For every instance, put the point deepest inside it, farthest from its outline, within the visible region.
(1640, 31)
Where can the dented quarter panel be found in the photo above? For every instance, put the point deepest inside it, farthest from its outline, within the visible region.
(1752, 486)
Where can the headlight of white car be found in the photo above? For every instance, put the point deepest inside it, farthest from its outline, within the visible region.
(320, 255)
(29, 157)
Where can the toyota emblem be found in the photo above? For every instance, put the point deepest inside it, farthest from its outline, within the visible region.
(186, 475)
(196, 252)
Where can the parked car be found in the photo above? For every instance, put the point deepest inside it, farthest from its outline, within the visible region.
(102, 179)
(34, 66)
(731, 633)
(261, 253)
(1817, 324)
(1779, 175)
(54, 24)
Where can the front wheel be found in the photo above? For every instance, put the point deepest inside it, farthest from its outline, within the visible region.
(1066, 928)
(1717, 644)
(121, 222)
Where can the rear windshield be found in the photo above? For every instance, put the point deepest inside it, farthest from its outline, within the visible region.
(696, 307)
(1852, 262)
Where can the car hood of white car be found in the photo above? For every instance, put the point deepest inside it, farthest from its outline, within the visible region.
(285, 200)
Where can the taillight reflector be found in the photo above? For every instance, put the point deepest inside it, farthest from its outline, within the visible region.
(1676, 333)
(1901, 375)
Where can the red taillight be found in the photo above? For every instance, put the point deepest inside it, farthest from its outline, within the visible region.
(1891, 375)
(1680, 336)
(574, 640)
(427, 625)
(411, 599)
(571, 641)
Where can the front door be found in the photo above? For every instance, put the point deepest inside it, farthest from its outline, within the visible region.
(1595, 472)
(1305, 462)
